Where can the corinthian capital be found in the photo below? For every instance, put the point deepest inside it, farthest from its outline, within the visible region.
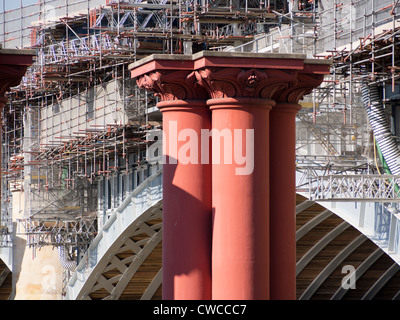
(172, 85)
(244, 82)
(10, 76)
(210, 75)
(304, 84)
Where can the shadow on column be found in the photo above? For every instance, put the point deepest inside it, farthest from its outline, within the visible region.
(187, 226)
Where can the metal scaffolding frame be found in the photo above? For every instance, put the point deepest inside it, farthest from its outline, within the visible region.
(364, 49)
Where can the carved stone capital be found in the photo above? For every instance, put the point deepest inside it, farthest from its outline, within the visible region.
(172, 85)
(211, 75)
(244, 83)
(10, 76)
(304, 84)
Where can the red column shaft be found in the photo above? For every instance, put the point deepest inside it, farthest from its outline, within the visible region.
(240, 257)
(187, 202)
(283, 201)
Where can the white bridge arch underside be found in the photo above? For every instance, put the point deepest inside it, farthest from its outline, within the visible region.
(131, 236)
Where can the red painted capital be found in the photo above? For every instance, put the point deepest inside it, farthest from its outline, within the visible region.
(233, 82)
(172, 85)
(10, 76)
(303, 84)
(3, 101)
(210, 75)
(279, 85)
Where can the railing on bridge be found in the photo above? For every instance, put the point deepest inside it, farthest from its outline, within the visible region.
(369, 202)
(146, 197)
(354, 187)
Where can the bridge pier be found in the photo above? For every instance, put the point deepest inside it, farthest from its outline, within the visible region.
(253, 102)
(13, 66)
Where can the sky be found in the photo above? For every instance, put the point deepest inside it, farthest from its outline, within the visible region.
(13, 4)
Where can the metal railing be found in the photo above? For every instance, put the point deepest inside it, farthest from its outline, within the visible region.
(145, 197)
(354, 187)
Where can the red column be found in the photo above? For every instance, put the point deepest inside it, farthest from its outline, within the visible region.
(242, 89)
(241, 231)
(240, 253)
(283, 181)
(186, 182)
(282, 143)
(187, 202)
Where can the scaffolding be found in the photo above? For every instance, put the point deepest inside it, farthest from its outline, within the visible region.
(364, 50)
(361, 39)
